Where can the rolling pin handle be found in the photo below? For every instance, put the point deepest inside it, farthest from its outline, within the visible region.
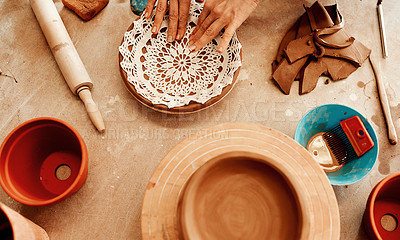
(91, 108)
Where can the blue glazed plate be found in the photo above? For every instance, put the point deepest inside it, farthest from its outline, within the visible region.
(325, 117)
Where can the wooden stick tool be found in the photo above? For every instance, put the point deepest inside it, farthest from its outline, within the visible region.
(67, 57)
(384, 102)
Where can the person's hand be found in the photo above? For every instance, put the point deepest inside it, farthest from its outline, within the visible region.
(178, 17)
(218, 15)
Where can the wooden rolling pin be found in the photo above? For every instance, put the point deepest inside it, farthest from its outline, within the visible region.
(384, 102)
(67, 57)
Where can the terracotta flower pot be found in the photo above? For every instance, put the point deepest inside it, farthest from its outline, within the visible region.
(382, 214)
(42, 162)
(14, 226)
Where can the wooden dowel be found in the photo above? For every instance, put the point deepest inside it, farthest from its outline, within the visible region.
(384, 102)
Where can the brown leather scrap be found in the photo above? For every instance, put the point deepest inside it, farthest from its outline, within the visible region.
(317, 44)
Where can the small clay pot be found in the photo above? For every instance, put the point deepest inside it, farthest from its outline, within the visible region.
(14, 226)
(382, 214)
(42, 162)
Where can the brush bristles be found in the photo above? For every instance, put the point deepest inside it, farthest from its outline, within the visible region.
(340, 145)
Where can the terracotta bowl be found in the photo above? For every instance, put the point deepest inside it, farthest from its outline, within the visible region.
(42, 162)
(239, 181)
(382, 214)
(240, 197)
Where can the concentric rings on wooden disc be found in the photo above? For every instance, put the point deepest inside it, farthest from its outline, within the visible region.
(319, 213)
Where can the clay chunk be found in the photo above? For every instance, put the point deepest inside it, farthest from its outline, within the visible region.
(317, 45)
(85, 9)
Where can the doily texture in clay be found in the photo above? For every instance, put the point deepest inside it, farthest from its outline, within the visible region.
(168, 73)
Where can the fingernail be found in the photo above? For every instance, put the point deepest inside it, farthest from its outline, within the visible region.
(192, 47)
(169, 39)
(178, 37)
(154, 29)
(220, 50)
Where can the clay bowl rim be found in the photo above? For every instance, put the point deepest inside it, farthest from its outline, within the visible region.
(373, 196)
(300, 200)
(6, 182)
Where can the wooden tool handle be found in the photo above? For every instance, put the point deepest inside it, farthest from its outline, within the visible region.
(384, 103)
(91, 108)
(61, 45)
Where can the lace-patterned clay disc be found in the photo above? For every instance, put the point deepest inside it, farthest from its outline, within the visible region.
(167, 77)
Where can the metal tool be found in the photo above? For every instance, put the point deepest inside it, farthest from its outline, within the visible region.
(382, 29)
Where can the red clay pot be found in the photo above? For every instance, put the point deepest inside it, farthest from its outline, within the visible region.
(383, 200)
(14, 226)
(31, 155)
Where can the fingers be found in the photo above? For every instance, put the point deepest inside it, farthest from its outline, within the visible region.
(173, 20)
(178, 17)
(202, 28)
(160, 12)
(226, 38)
(206, 36)
(184, 7)
(149, 8)
(203, 15)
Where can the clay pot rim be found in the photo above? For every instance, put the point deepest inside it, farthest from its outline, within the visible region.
(21, 225)
(70, 189)
(373, 196)
(285, 173)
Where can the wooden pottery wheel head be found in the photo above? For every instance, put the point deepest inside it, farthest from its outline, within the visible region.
(239, 197)
(239, 181)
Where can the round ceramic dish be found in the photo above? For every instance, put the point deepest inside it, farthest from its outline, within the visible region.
(192, 107)
(384, 203)
(326, 117)
(189, 108)
(268, 159)
(42, 162)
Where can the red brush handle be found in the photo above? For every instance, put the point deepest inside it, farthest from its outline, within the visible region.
(357, 135)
